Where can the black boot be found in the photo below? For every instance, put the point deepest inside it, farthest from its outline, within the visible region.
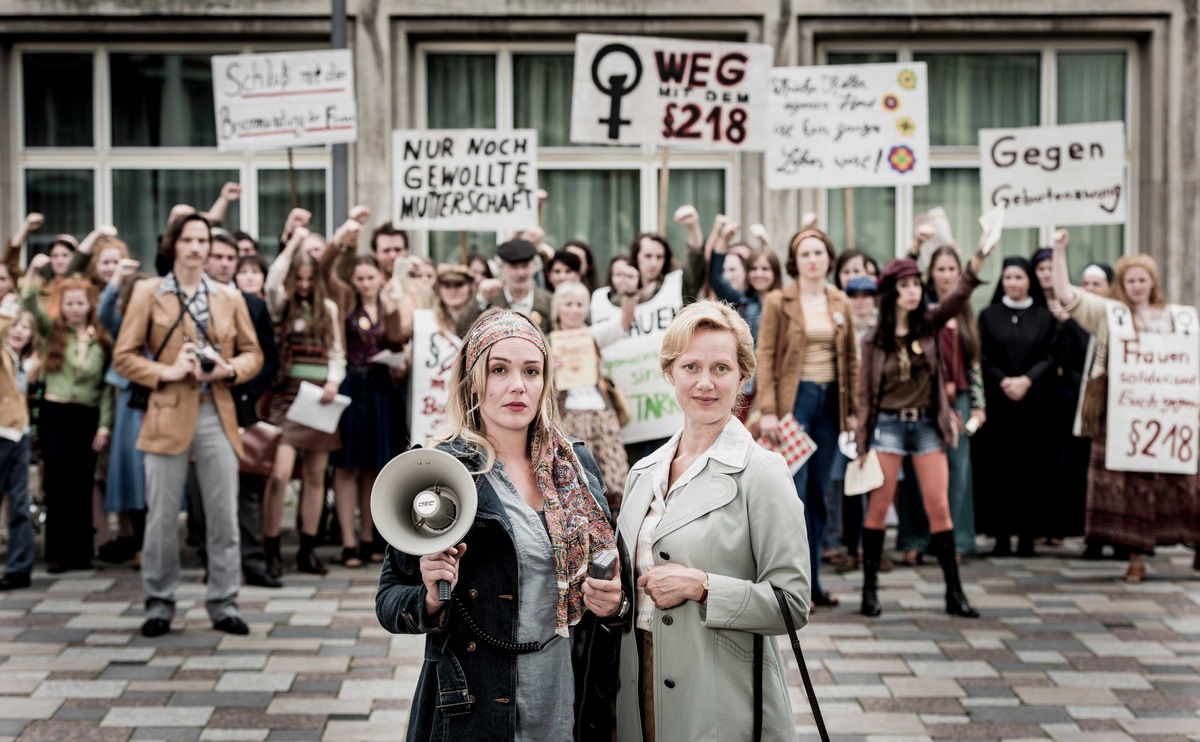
(872, 540)
(306, 557)
(274, 557)
(941, 545)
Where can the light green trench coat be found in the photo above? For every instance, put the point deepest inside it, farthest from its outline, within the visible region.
(742, 523)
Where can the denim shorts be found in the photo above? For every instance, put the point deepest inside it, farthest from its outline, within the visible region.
(901, 437)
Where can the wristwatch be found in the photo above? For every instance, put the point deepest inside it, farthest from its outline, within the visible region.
(231, 379)
(623, 609)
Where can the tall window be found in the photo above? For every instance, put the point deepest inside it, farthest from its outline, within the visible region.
(603, 195)
(972, 89)
(120, 134)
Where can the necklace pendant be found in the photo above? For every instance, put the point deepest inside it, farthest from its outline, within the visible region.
(1015, 320)
(364, 323)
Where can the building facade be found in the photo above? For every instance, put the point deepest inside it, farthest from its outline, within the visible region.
(108, 111)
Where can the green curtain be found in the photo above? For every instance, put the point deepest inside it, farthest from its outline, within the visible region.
(66, 198)
(968, 92)
(142, 200)
(1091, 87)
(460, 93)
(542, 96)
(874, 208)
(57, 91)
(599, 207)
(162, 100)
(275, 201)
(957, 191)
(704, 189)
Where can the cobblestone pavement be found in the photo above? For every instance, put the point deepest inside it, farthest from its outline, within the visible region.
(1065, 651)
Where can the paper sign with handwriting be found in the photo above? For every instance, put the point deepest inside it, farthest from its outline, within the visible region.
(434, 352)
(1048, 175)
(290, 99)
(845, 126)
(576, 350)
(678, 92)
(464, 179)
(1153, 394)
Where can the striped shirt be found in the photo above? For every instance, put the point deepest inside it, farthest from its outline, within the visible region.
(730, 448)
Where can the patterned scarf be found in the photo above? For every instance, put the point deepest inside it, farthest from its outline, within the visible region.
(574, 519)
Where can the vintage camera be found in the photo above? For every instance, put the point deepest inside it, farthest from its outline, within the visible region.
(207, 364)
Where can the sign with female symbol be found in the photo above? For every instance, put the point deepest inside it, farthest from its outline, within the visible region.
(676, 92)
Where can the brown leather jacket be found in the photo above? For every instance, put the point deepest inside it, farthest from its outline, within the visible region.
(170, 420)
(781, 352)
(873, 359)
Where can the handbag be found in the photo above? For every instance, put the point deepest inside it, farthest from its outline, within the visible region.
(259, 443)
(139, 395)
(758, 673)
(619, 403)
(863, 477)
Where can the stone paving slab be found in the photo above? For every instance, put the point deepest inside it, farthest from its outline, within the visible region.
(1065, 651)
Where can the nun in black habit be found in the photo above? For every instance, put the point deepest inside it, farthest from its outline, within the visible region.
(1013, 457)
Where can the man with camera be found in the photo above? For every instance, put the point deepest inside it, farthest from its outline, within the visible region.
(187, 340)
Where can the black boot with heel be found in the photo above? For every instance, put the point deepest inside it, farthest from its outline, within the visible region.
(941, 545)
(872, 540)
(306, 558)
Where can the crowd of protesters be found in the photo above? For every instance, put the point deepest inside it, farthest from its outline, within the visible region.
(134, 391)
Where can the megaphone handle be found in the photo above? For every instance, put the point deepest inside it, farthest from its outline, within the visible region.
(444, 591)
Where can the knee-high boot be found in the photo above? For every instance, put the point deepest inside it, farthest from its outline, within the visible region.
(872, 540)
(941, 544)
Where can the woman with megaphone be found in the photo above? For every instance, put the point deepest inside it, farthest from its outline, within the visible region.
(509, 656)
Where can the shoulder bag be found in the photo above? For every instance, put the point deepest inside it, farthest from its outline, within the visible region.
(758, 673)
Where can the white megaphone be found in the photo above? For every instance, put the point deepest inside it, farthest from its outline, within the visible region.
(424, 502)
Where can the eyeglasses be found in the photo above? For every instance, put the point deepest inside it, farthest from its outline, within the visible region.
(452, 284)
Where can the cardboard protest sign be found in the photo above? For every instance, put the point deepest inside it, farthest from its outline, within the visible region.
(677, 92)
(434, 353)
(1047, 175)
(289, 99)
(633, 362)
(457, 179)
(848, 125)
(576, 350)
(1153, 394)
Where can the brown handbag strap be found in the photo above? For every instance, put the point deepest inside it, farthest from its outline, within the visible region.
(808, 686)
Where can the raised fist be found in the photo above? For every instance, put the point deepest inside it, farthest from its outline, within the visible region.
(360, 213)
(686, 216)
(34, 221)
(231, 191)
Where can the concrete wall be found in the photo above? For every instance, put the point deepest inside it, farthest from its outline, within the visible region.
(384, 34)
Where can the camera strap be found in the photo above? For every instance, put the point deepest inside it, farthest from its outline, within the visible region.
(187, 307)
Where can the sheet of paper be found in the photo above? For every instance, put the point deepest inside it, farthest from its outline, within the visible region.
(307, 409)
(992, 223)
(390, 358)
(577, 351)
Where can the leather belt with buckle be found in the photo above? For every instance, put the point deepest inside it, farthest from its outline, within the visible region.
(911, 414)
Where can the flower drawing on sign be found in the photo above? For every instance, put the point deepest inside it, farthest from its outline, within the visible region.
(906, 126)
(907, 79)
(891, 102)
(901, 159)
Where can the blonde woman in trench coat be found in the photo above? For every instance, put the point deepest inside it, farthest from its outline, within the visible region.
(713, 522)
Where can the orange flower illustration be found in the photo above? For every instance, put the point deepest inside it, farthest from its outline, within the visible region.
(902, 159)
(907, 79)
(891, 102)
(906, 126)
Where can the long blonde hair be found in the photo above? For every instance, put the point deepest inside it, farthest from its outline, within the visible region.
(463, 419)
(1146, 263)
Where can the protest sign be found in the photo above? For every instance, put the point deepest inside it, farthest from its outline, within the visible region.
(289, 99)
(1153, 394)
(434, 353)
(462, 179)
(633, 362)
(576, 351)
(1048, 175)
(848, 125)
(676, 92)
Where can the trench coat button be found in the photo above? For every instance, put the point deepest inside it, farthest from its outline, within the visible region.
(664, 555)
(669, 683)
(470, 646)
(473, 593)
(668, 620)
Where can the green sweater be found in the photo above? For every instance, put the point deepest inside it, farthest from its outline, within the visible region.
(75, 383)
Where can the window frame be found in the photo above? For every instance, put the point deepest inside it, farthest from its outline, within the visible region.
(951, 157)
(646, 159)
(102, 158)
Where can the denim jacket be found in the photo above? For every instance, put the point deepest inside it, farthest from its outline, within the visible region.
(467, 688)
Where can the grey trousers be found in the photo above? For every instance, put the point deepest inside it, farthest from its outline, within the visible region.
(217, 469)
